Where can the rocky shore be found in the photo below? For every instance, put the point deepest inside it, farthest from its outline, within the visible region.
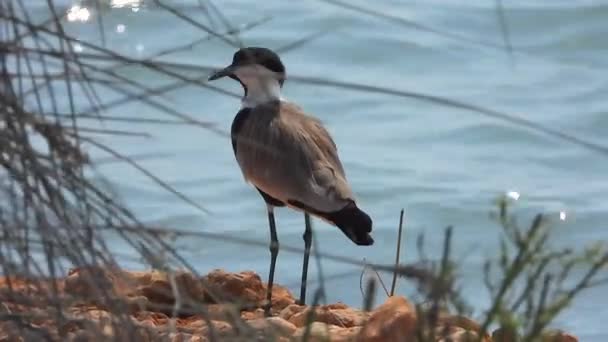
(99, 304)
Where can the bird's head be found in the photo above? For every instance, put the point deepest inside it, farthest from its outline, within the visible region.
(254, 67)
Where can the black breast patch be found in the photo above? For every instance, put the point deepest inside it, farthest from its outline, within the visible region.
(237, 124)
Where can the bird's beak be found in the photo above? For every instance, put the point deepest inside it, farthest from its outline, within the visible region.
(227, 71)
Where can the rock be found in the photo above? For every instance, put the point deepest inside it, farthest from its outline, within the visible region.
(94, 314)
(157, 318)
(222, 312)
(192, 323)
(319, 331)
(282, 325)
(246, 288)
(196, 338)
(251, 315)
(140, 290)
(83, 336)
(299, 319)
(458, 334)
(337, 306)
(281, 297)
(180, 337)
(220, 329)
(92, 324)
(92, 282)
(9, 331)
(149, 324)
(459, 321)
(450, 321)
(345, 318)
(272, 327)
(108, 304)
(395, 320)
(90, 319)
(558, 336)
(137, 334)
(291, 310)
(137, 303)
(508, 335)
(157, 288)
(153, 321)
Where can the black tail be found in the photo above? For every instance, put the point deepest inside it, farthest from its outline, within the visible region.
(354, 223)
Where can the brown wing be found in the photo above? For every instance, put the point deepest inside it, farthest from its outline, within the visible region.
(291, 156)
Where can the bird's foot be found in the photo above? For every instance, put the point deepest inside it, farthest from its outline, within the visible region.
(267, 309)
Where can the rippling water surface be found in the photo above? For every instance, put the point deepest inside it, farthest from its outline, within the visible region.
(444, 166)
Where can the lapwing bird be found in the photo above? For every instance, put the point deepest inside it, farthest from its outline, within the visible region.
(289, 156)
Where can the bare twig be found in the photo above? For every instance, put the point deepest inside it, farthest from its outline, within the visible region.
(397, 257)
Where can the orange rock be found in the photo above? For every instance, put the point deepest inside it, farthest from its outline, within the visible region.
(458, 335)
(246, 288)
(316, 331)
(220, 329)
(82, 336)
(558, 336)
(337, 306)
(179, 337)
(250, 315)
(508, 335)
(192, 323)
(319, 331)
(156, 318)
(149, 324)
(92, 282)
(94, 314)
(139, 289)
(272, 327)
(459, 321)
(449, 321)
(35, 292)
(107, 304)
(281, 325)
(222, 312)
(196, 338)
(243, 287)
(90, 319)
(281, 297)
(137, 303)
(395, 320)
(300, 319)
(10, 331)
(158, 293)
(157, 288)
(194, 288)
(345, 318)
(291, 310)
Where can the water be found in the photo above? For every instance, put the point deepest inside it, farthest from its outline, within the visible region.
(444, 166)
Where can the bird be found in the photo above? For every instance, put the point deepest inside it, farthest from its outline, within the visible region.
(289, 157)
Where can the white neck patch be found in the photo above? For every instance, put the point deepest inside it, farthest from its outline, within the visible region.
(262, 85)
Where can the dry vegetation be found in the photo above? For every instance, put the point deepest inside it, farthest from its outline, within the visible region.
(54, 218)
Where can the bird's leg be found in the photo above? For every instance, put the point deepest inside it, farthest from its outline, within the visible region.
(274, 251)
(307, 243)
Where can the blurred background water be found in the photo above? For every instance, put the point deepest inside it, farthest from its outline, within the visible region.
(444, 166)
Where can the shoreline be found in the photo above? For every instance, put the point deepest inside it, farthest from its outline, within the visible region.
(99, 304)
